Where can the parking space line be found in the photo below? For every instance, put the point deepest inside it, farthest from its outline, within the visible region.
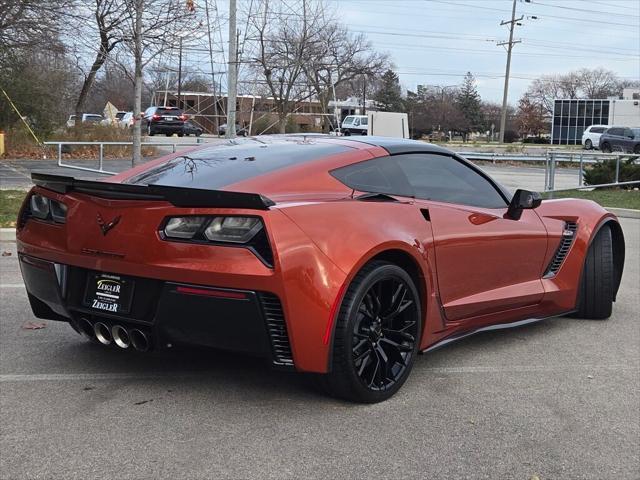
(71, 377)
(11, 285)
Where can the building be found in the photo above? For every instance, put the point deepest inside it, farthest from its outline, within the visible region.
(572, 116)
(209, 111)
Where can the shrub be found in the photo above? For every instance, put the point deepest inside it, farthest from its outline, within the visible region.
(605, 172)
(510, 136)
(537, 140)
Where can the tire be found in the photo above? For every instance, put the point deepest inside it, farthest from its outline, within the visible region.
(606, 148)
(588, 144)
(182, 134)
(636, 149)
(368, 330)
(198, 134)
(347, 133)
(595, 297)
(168, 134)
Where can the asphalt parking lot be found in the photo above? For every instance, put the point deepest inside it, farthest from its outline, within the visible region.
(557, 400)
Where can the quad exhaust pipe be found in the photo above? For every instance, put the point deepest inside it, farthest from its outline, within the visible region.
(121, 336)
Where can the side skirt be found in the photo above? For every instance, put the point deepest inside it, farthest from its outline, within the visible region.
(499, 326)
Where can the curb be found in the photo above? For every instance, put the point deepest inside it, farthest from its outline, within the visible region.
(9, 234)
(624, 212)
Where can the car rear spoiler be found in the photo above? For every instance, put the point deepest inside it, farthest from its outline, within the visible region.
(177, 196)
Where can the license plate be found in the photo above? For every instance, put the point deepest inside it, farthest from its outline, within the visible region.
(108, 293)
(169, 118)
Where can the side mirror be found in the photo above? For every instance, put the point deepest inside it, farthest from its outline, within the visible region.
(523, 200)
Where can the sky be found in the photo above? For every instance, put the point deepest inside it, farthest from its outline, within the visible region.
(435, 42)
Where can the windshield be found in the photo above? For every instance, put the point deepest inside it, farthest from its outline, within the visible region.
(348, 120)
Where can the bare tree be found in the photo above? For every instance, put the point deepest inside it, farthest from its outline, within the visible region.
(338, 58)
(149, 29)
(27, 23)
(585, 83)
(109, 16)
(284, 36)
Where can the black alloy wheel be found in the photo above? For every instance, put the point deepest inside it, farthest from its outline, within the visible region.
(384, 333)
(377, 335)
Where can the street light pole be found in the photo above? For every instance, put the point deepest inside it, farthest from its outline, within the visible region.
(179, 72)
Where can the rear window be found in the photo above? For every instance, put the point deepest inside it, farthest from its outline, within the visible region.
(222, 165)
(168, 111)
(597, 130)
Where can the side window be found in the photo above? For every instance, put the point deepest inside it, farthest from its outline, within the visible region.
(379, 175)
(365, 121)
(627, 132)
(615, 131)
(445, 179)
(597, 130)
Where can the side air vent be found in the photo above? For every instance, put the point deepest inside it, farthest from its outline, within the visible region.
(277, 328)
(568, 234)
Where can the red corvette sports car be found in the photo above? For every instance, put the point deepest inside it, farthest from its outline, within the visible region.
(344, 257)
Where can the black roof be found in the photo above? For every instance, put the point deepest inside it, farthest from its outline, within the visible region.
(398, 145)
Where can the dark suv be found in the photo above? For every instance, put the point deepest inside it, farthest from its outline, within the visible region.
(167, 120)
(620, 139)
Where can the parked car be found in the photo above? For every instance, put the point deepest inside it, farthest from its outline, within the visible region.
(190, 128)
(620, 139)
(355, 125)
(240, 131)
(86, 118)
(591, 136)
(342, 257)
(127, 120)
(167, 120)
(115, 121)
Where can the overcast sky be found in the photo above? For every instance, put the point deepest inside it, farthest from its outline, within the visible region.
(437, 41)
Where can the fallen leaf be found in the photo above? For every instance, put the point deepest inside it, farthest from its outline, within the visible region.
(6, 253)
(142, 402)
(34, 325)
(589, 377)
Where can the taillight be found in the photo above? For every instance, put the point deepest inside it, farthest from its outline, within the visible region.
(155, 117)
(182, 117)
(47, 209)
(242, 231)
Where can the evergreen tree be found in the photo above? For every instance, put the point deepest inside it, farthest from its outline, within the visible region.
(469, 103)
(388, 96)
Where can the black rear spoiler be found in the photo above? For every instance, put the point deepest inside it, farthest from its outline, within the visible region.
(178, 196)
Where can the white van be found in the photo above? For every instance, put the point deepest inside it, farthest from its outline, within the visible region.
(355, 125)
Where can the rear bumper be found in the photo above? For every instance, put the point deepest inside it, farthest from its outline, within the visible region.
(171, 313)
(166, 127)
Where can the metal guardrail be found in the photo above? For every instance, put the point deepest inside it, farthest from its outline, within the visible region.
(101, 146)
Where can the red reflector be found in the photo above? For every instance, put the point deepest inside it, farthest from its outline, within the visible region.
(333, 313)
(211, 293)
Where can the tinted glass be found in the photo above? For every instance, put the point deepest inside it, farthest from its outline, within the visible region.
(427, 176)
(379, 175)
(615, 131)
(168, 111)
(445, 179)
(222, 165)
(597, 129)
(636, 133)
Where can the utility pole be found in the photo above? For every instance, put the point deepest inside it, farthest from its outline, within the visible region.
(512, 23)
(364, 94)
(232, 77)
(179, 73)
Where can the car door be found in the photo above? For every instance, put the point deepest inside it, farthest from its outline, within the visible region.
(486, 262)
(627, 140)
